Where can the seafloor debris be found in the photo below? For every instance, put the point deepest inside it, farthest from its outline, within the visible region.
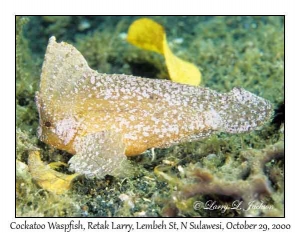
(101, 118)
(147, 34)
(248, 182)
(46, 177)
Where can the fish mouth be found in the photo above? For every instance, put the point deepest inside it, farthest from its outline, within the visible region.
(39, 133)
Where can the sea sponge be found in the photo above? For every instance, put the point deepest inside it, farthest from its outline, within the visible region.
(250, 183)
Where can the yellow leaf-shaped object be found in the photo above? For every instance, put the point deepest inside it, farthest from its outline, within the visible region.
(147, 34)
(46, 177)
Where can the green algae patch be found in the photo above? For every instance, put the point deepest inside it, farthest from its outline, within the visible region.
(27, 79)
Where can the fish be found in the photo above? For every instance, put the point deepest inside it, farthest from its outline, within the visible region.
(103, 118)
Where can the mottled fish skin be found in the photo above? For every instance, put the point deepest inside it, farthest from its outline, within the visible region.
(75, 101)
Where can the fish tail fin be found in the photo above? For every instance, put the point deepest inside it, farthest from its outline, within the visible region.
(242, 111)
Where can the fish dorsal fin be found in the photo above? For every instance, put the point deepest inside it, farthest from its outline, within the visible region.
(63, 68)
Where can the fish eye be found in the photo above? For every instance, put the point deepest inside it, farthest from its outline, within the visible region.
(48, 124)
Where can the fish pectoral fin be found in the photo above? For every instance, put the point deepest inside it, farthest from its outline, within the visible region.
(99, 154)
